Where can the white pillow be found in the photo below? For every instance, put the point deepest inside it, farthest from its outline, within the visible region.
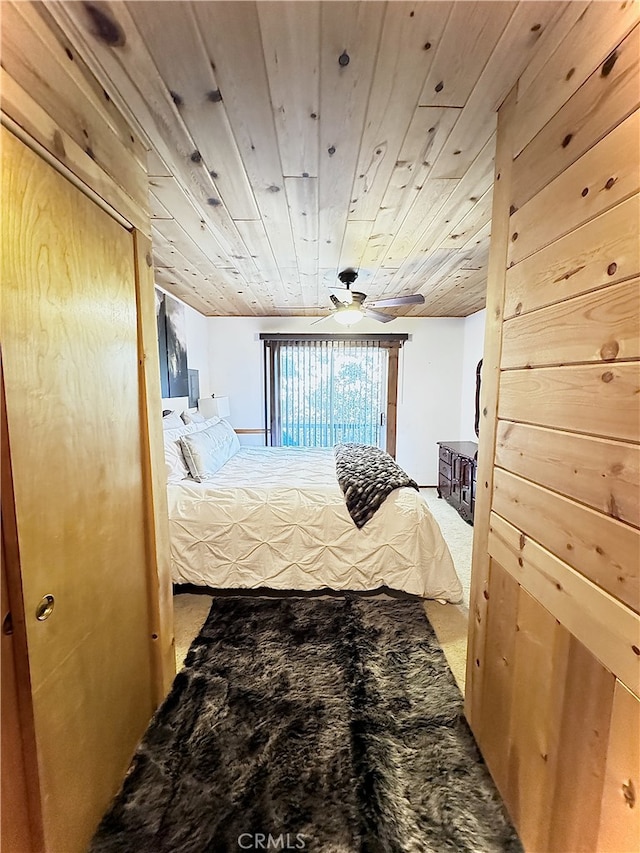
(206, 450)
(173, 457)
(174, 460)
(172, 421)
(192, 417)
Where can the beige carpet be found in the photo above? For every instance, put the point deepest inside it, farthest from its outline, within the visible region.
(449, 621)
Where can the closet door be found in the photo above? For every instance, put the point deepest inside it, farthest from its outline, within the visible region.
(69, 345)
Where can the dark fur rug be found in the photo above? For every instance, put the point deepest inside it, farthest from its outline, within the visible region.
(329, 725)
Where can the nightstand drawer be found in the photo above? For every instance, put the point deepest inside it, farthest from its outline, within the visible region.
(445, 455)
(445, 469)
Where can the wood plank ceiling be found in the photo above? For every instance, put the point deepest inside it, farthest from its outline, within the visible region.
(289, 140)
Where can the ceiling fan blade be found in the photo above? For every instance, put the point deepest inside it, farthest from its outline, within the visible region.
(320, 320)
(394, 301)
(378, 315)
(337, 303)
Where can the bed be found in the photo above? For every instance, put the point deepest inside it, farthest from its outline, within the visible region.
(276, 517)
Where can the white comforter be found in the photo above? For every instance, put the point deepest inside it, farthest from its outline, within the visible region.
(276, 517)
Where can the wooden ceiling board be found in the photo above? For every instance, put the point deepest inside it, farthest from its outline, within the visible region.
(401, 67)
(570, 65)
(53, 77)
(522, 37)
(471, 34)
(291, 46)
(302, 197)
(425, 137)
(344, 96)
(231, 32)
(290, 139)
(175, 45)
(467, 192)
(478, 218)
(403, 251)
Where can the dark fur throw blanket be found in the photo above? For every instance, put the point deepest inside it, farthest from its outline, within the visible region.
(327, 725)
(367, 476)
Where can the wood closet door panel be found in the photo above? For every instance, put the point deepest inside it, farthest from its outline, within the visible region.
(70, 356)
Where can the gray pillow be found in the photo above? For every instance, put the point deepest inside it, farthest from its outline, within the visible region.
(206, 451)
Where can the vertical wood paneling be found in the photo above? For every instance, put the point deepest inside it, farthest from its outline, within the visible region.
(565, 502)
(160, 590)
(497, 670)
(584, 734)
(488, 415)
(620, 824)
(540, 657)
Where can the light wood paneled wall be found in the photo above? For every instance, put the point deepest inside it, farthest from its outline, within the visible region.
(553, 675)
(103, 346)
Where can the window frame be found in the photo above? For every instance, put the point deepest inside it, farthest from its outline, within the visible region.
(390, 342)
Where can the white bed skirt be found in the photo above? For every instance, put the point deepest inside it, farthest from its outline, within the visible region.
(276, 517)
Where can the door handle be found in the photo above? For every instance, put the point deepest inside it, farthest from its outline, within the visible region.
(45, 608)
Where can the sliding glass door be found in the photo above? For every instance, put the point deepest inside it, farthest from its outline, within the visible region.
(323, 392)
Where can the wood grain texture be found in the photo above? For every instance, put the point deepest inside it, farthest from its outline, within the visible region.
(594, 399)
(568, 438)
(597, 254)
(40, 130)
(600, 473)
(540, 658)
(175, 44)
(231, 30)
(606, 175)
(42, 64)
(21, 817)
(606, 98)
(291, 47)
(584, 733)
(332, 92)
(73, 415)
(401, 68)
(407, 205)
(522, 38)
(620, 818)
(159, 586)
(605, 626)
(601, 327)
(601, 548)
(497, 668)
(475, 676)
(544, 88)
(469, 38)
(344, 94)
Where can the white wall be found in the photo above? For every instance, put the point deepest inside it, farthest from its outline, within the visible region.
(198, 348)
(472, 353)
(429, 381)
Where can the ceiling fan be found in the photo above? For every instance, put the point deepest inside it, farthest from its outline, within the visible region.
(352, 309)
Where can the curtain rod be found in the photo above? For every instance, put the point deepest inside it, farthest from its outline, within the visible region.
(267, 336)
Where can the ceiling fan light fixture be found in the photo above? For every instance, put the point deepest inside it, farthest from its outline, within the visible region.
(349, 315)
